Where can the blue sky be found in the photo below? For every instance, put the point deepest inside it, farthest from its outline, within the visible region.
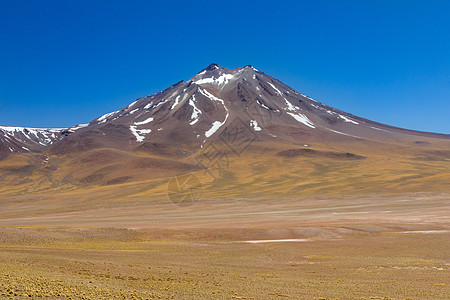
(68, 62)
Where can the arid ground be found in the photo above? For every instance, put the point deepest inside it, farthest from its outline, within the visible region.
(343, 209)
(394, 247)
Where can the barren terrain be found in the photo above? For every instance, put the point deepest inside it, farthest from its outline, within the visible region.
(372, 248)
(228, 186)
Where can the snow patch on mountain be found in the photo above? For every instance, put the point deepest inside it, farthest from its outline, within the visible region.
(348, 120)
(105, 117)
(277, 90)
(338, 132)
(217, 124)
(302, 119)
(149, 104)
(139, 133)
(379, 129)
(132, 104)
(13, 129)
(255, 125)
(289, 106)
(306, 97)
(220, 81)
(195, 112)
(176, 102)
(144, 122)
(262, 104)
(26, 135)
(79, 126)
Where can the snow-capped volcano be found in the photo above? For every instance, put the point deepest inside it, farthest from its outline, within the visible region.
(218, 113)
(199, 109)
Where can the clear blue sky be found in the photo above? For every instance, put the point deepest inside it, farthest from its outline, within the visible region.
(68, 62)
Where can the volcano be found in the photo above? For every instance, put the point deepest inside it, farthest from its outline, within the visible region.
(240, 130)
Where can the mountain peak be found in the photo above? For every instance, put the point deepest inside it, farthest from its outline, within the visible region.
(212, 67)
(212, 73)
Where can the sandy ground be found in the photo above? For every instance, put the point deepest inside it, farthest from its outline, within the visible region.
(219, 213)
(362, 248)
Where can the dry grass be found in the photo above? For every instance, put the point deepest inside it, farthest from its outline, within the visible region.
(322, 169)
(68, 263)
(61, 239)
